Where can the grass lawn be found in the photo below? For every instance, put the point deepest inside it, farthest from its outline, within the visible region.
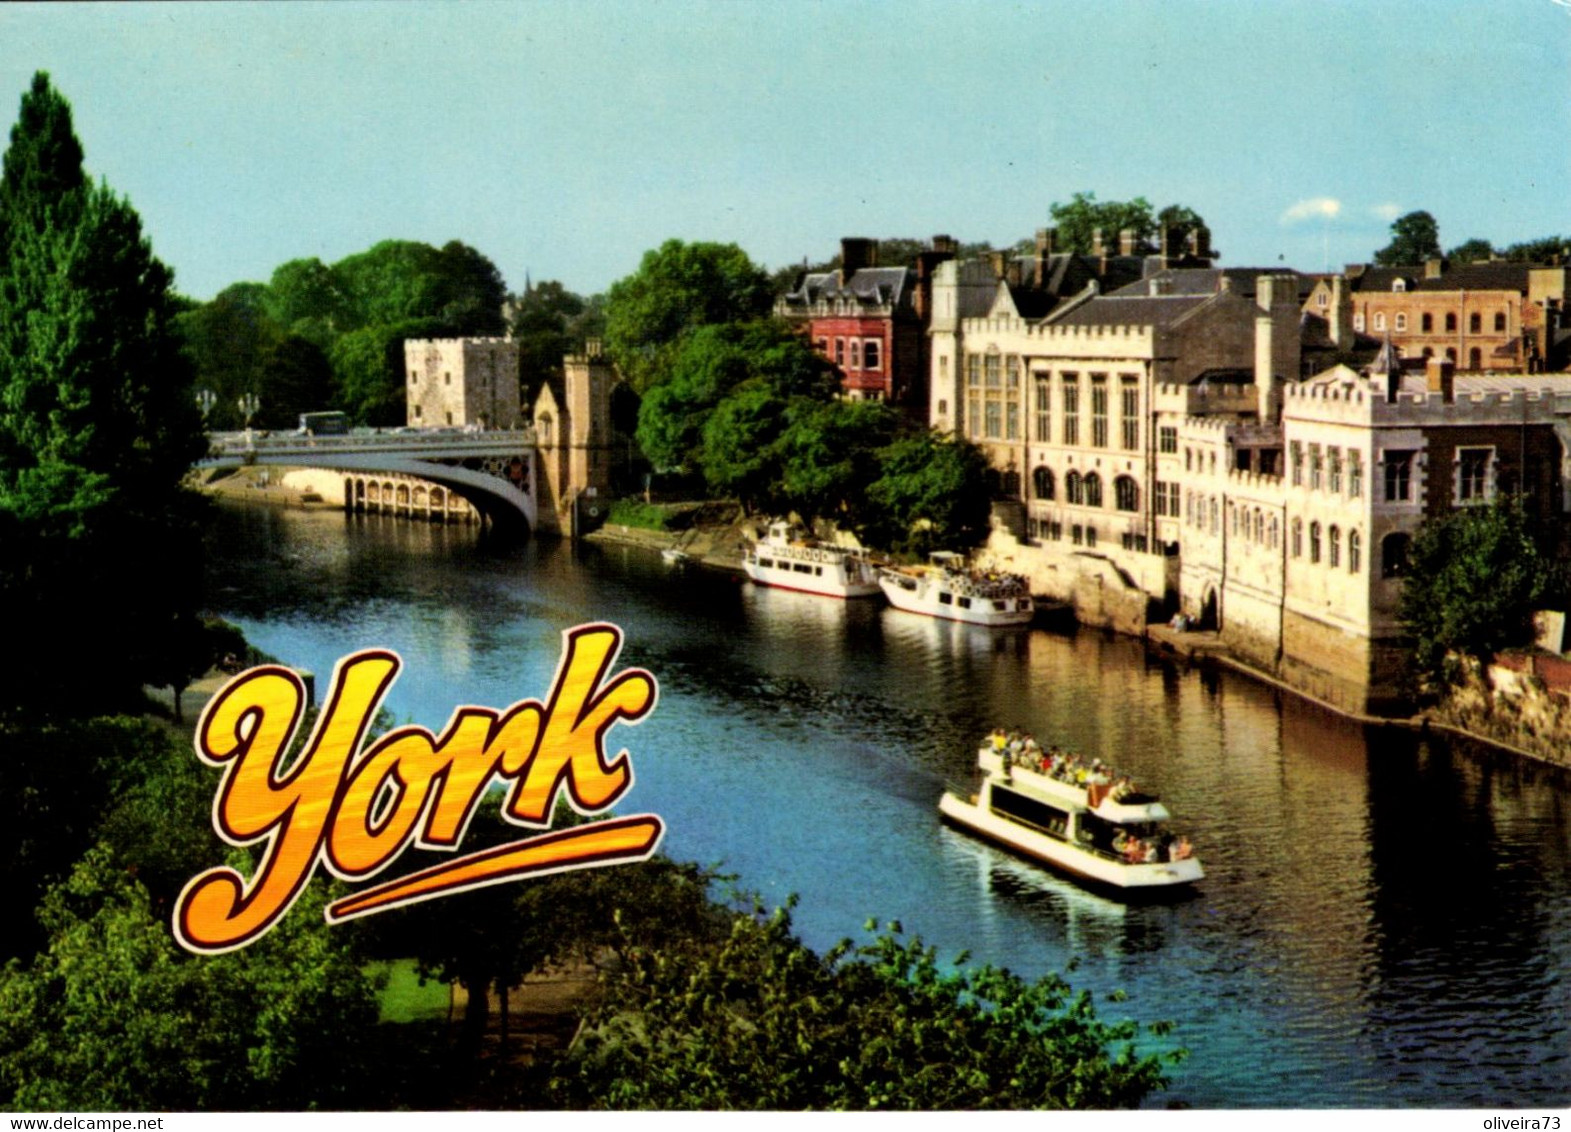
(404, 999)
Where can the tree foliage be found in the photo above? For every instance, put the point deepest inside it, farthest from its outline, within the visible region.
(1474, 579)
(114, 1016)
(931, 493)
(97, 422)
(1415, 238)
(756, 1020)
(677, 288)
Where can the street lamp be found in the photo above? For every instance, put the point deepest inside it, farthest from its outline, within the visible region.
(249, 403)
(205, 400)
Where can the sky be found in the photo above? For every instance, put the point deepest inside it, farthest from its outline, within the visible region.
(565, 139)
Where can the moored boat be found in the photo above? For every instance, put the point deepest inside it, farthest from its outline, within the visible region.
(947, 588)
(1113, 842)
(794, 563)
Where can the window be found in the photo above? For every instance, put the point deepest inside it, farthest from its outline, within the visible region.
(1126, 494)
(545, 434)
(1098, 411)
(1167, 439)
(1012, 420)
(1093, 488)
(1475, 323)
(1077, 533)
(1393, 555)
(1189, 459)
(1012, 371)
(447, 379)
(1358, 322)
(840, 351)
(1044, 410)
(1296, 452)
(1334, 462)
(822, 346)
(973, 417)
(856, 353)
(1074, 490)
(973, 369)
(1216, 525)
(943, 407)
(1071, 409)
(1472, 473)
(414, 377)
(1042, 483)
(1129, 413)
(1380, 320)
(1475, 358)
(991, 370)
(1090, 536)
(1322, 300)
(1426, 322)
(1233, 512)
(1298, 538)
(1450, 321)
(1354, 551)
(943, 370)
(1399, 474)
(871, 349)
(1500, 322)
(1399, 285)
(1355, 474)
(1316, 468)
(991, 421)
(1401, 320)
(1334, 547)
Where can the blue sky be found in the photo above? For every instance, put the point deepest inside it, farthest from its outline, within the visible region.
(565, 139)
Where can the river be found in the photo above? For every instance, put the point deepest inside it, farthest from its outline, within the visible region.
(1385, 920)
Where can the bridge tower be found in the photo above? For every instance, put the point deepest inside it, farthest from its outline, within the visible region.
(575, 442)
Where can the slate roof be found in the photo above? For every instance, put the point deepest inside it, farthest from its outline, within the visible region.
(875, 285)
(1496, 275)
(1132, 310)
(1208, 280)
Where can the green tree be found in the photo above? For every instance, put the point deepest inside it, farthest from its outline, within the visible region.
(97, 424)
(738, 455)
(543, 321)
(113, 1015)
(1415, 238)
(306, 297)
(706, 365)
(227, 342)
(1083, 214)
(1474, 579)
(931, 493)
(756, 1020)
(1472, 251)
(676, 288)
(1546, 249)
(829, 456)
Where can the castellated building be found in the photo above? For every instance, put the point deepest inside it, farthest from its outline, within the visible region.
(463, 383)
(1161, 449)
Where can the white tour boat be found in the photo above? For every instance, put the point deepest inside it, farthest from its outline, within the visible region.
(808, 565)
(947, 588)
(1054, 822)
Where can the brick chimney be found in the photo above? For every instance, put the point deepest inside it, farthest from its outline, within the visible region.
(997, 260)
(1172, 246)
(1339, 316)
(927, 262)
(1434, 268)
(1440, 377)
(856, 252)
(1126, 241)
(1044, 256)
(1200, 243)
(1098, 245)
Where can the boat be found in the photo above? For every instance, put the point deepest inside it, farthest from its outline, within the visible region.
(1056, 823)
(946, 587)
(674, 556)
(789, 561)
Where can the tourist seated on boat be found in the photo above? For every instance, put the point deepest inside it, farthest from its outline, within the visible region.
(1122, 788)
(1121, 842)
(999, 738)
(1180, 849)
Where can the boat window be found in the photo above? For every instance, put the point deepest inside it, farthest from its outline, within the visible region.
(1028, 811)
(801, 567)
(965, 603)
(1000, 606)
(818, 571)
(945, 599)
(766, 562)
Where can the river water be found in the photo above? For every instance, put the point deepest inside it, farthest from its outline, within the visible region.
(1385, 920)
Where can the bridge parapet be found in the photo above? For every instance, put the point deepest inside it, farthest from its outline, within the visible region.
(426, 442)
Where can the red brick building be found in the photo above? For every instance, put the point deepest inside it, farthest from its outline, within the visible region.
(871, 321)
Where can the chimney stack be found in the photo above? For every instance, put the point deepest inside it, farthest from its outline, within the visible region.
(1434, 268)
(1440, 377)
(1199, 242)
(856, 252)
(1172, 246)
(1098, 246)
(1339, 322)
(1126, 241)
(1044, 256)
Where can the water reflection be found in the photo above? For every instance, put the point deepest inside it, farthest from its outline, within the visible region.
(1385, 919)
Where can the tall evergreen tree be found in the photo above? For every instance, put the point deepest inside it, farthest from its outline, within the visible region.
(98, 540)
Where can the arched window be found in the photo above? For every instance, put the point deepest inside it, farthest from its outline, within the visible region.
(1393, 555)
(1354, 549)
(1276, 533)
(1298, 538)
(1475, 358)
(1011, 484)
(1216, 517)
(1426, 322)
(1500, 322)
(1450, 321)
(1074, 488)
(1475, 323)
(1093, 486)
(1334, 547)
(1260, 526)
(1126, 494)
(1314, 542)
(1042, 483)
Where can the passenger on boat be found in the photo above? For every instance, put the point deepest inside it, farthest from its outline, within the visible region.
(1180, 850)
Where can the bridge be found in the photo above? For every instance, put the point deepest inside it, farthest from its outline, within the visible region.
(494, 470)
